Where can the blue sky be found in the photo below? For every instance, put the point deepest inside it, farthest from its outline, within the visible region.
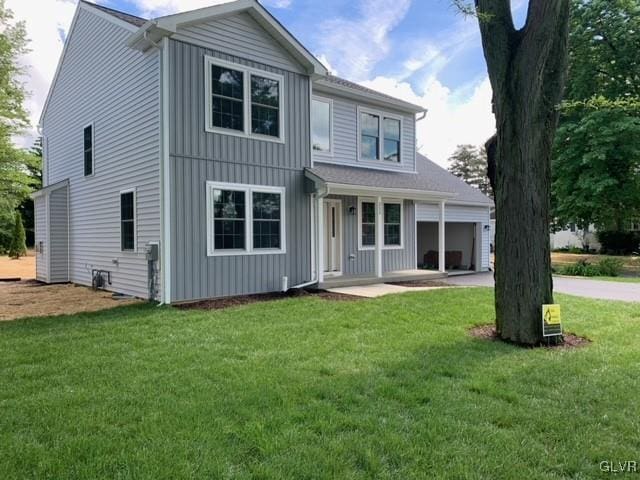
(424, 51)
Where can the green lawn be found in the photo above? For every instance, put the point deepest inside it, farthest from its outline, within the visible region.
(306, 388)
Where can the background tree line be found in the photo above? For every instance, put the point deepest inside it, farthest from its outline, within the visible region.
(596, 154)
(20, 169)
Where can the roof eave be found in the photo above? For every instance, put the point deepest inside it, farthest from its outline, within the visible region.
(381, 100)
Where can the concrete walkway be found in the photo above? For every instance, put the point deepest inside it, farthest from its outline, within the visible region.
(582, 287)
(378, 290)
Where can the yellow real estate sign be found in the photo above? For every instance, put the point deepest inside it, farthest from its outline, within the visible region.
(551, 320)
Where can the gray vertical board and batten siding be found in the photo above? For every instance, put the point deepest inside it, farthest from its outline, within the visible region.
(346, 137)
(362, 262)
(102, 81)
(197, 156)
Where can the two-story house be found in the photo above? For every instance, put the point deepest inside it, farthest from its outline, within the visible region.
(208, 154)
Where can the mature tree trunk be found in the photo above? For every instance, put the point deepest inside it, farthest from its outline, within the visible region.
(527, 70)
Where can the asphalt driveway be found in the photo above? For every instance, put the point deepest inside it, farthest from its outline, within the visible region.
(629, 292)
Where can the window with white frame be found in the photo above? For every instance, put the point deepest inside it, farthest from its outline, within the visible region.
(244, 219)
(321, 125)
(128, 220)
(367, 224)
(243, 101)
(380, 136)
(392, 224)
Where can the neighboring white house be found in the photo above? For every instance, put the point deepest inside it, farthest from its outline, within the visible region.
(574, 237)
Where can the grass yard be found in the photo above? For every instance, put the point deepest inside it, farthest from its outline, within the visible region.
(305, 388)
(630, 264)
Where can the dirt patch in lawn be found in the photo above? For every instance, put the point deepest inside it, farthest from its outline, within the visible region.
(488, 332)
(422, 283)
(227, 302)
(35, 299)
(24, 268)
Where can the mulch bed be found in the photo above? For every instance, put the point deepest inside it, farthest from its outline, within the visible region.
(227, 302)
(488, 332)
(421, 283)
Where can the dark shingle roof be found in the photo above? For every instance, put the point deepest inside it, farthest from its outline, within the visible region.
(430, 177)
(132, 19)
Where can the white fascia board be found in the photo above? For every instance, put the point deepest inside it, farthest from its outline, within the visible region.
(401, 193)
(50, 188)
(371, 98)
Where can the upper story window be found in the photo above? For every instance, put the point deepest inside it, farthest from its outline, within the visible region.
(244, 219)
(380, 136)
(88, 150)
(243, 101)
(322, 125)
(227, 105)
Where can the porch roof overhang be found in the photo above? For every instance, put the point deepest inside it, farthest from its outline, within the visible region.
(343, 180)
(50, 188)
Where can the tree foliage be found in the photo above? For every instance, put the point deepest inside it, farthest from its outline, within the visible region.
(596, 166)
(18, 168)
(470, 164)
(17, 247)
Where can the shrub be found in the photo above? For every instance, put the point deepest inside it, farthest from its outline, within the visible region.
(608, 267)
(619, 243)
(18, 247)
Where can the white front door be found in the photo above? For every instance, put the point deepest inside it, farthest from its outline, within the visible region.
(333, 237)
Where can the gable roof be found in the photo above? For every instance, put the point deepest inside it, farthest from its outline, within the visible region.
(152, 31)
(429, 178)
(126, 17)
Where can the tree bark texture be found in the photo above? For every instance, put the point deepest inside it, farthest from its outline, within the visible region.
(527, 69)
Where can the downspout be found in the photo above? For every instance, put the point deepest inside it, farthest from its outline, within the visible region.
(162, 153)
(315, 272)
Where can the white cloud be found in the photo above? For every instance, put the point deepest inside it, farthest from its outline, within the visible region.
(47, 24)
(453, 117)
(354, 46)
(157, 8)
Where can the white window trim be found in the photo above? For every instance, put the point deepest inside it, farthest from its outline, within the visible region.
(362, 200)
(246, 76)
(329, 101)
(402, 223)
(93, 149)
(401, 203)
(381, 114)
(248, 190)
(135, 219)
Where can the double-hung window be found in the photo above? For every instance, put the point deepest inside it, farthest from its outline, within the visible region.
(380, 136)
(87, 141)
(392, 224)
(243, 101)
(244, 219)
(128, 220)
(367, 224)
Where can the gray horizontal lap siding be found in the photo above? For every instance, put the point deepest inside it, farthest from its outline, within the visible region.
(104, 82)
(42, 262)
(59, 236)
(362, 262)
(197, 156)
(345, 134)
